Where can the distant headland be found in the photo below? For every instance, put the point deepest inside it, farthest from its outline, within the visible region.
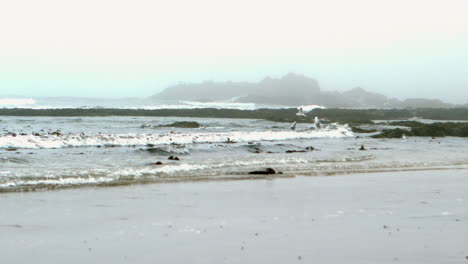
(291, 90)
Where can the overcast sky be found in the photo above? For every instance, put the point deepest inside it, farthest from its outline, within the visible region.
(112, 48)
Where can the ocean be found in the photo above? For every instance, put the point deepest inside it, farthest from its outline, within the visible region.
(45, 153)
(146, 103)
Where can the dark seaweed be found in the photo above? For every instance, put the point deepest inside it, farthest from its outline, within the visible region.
(427, 130)
(184, 124)
(349, 116)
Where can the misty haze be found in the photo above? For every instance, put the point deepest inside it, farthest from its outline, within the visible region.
(290, 90)
(246, 132)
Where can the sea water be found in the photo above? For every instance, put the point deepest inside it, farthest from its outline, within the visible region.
(147, 103)
(43, 153)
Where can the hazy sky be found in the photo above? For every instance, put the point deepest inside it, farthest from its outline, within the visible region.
(112, 48)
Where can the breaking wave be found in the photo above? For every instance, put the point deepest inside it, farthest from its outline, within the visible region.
(11, 103)
(132, 104)
(44, 141)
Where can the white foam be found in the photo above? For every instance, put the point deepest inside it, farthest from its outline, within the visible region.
(57, 181)
(231, 104)
(57, 103)
(307, 108)
(10, 102)
(166, 169)
(239, 106)
(197, 105)
(222, 105)
(81, 140)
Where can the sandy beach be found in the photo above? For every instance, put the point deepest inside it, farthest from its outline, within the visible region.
(394, 217)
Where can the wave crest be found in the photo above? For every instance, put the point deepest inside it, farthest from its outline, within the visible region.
(112, 140)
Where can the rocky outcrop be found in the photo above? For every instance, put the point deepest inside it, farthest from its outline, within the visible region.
(290, 90)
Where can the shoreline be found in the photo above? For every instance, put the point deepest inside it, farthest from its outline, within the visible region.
(404, 217)
(229, 178)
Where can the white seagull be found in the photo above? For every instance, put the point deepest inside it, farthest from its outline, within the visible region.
(293, 126)
(300, 112)
(317, 122)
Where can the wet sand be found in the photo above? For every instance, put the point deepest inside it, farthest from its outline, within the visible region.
(394, 217)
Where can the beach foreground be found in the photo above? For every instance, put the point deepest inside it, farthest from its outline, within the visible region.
(393, 217)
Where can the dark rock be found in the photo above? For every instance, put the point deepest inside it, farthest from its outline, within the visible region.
(184, 124)
(158, 163)
(293, 151)
(56, 133)
(310, 148)
(356, 129)
(230, 141)
(266, 171)
(11, 149)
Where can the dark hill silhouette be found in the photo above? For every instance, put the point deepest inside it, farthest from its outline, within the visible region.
(289, 90)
